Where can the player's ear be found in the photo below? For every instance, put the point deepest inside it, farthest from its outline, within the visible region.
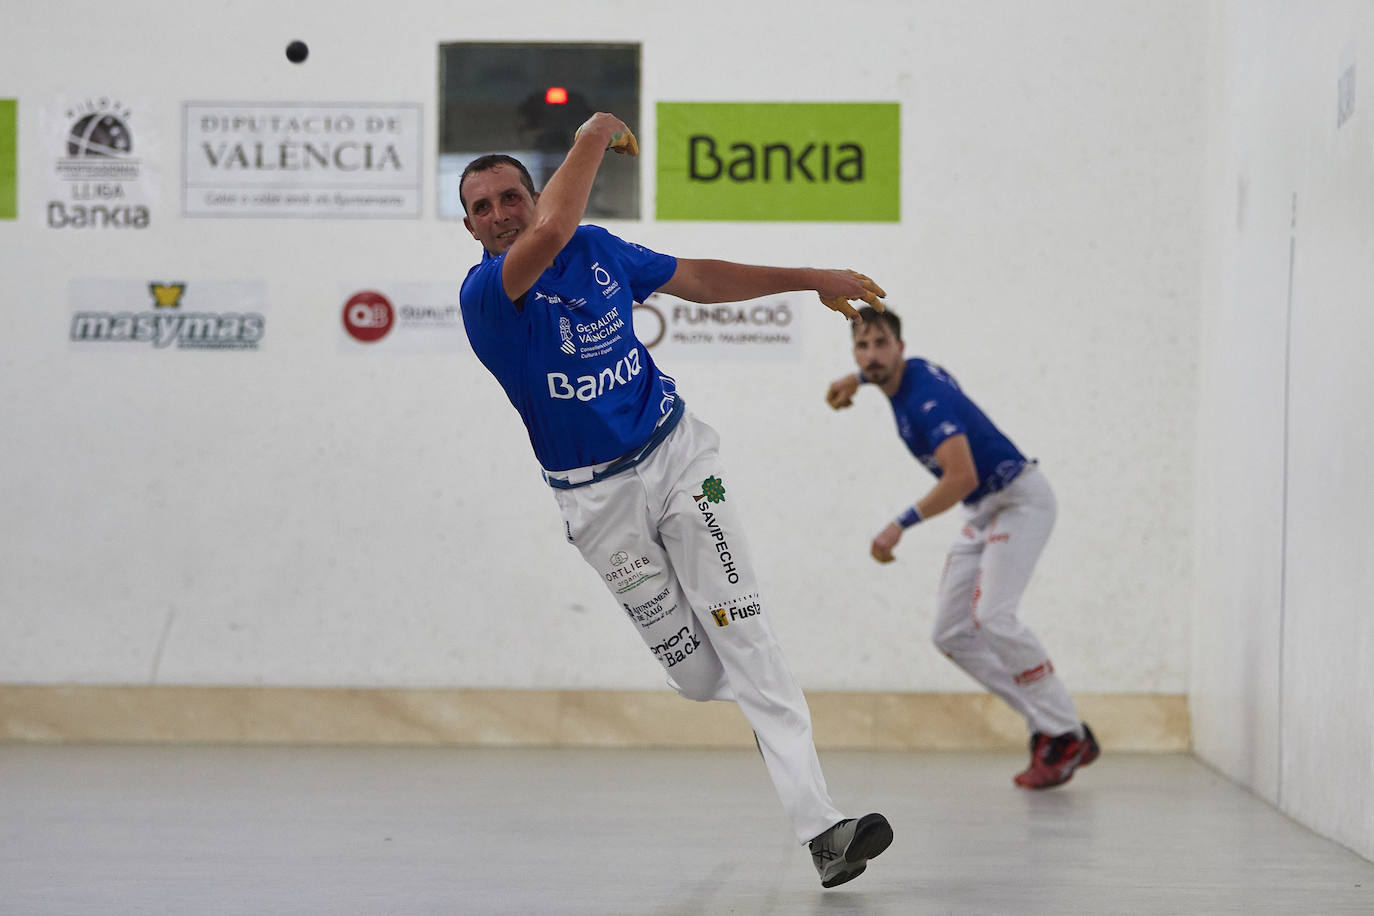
(467, 222)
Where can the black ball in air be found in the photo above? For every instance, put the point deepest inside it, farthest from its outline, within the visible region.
(297, 52)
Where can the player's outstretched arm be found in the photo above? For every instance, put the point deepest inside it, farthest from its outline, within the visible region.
(706, 280)
(559, 207)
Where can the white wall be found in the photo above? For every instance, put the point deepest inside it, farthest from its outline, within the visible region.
(304, 516)
(1282, 698)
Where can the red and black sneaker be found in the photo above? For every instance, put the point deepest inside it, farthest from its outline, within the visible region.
(1053, 760)
(1091, 752)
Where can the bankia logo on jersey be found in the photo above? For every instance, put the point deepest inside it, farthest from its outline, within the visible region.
(601, 338)
(167, 314)
(592, 386)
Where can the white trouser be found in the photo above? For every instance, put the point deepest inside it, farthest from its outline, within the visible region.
(976, 624)
(673, 554)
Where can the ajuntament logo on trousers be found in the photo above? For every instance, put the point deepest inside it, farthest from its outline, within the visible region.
(97, 172)
(651, 611)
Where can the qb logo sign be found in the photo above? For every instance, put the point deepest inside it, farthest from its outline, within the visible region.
(406, 318)
(368, 316)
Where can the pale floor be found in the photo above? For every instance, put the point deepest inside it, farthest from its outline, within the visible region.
(341, 831)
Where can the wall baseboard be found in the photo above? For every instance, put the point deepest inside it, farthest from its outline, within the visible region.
(573, 718)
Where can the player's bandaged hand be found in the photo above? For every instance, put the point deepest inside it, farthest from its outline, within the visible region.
(624, 142)
(865, 289)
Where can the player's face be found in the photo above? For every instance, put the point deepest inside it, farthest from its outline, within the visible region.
(500, 207)
(877, 352)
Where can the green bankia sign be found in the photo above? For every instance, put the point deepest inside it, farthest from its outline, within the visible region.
(9, 196)
(780, 161)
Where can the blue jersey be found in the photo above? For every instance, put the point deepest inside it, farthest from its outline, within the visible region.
(930, 407)
(566, 353)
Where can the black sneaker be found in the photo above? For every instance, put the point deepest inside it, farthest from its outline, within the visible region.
(842, 852)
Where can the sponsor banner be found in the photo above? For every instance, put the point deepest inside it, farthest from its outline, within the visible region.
(125, 314)
(401, 318)
(101, 156)
(765, 328)
(783, 161)
(9, 159)
(301, 160)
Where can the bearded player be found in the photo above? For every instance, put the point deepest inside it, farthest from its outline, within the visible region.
(1009, 510)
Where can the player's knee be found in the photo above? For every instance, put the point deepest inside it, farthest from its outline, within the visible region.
(1002, 628)
(699, 689)
(696, 681)
(1012, 643)
(951, 641)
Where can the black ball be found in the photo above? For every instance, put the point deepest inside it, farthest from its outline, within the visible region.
(297, 52)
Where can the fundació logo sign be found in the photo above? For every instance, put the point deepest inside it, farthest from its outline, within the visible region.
(779, 161)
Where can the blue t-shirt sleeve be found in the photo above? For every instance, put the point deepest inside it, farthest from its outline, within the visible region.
(487, 310)
(482, 293)
(647, 269)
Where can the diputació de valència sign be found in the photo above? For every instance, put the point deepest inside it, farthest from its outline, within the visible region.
(301, 160)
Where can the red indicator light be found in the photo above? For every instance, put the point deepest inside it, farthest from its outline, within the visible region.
(555, 95)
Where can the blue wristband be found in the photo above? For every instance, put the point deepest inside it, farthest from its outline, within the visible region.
(863, 379)
(909, 517)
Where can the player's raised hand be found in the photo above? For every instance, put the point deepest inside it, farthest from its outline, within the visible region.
(619, 136)
(841, 392)
(840, 286)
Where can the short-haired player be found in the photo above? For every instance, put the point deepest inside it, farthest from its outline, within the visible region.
(1009, 510)
(636, 474)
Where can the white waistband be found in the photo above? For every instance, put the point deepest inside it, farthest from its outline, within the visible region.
(580, 475)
